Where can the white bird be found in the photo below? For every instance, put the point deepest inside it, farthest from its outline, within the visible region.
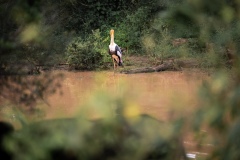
(115, 51)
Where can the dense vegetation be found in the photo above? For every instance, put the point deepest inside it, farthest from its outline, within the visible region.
(53, 32)
(39, 33)
(35, 33)
(43, 32)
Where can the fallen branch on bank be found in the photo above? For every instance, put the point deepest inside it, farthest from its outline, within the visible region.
(168, 65)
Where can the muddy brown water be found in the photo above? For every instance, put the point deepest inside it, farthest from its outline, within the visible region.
(155, 93)
(163, 95)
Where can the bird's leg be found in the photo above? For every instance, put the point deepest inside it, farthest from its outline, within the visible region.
(114, 63)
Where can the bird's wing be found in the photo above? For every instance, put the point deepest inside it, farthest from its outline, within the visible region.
(118, 49)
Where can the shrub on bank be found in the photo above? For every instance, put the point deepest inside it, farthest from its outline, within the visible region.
(89, 53)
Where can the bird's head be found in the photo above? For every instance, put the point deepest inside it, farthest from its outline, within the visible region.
(111, 32)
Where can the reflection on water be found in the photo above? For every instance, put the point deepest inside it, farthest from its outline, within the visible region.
(155, 93)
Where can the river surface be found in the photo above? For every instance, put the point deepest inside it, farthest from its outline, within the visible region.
(162, 95)
(158, 94)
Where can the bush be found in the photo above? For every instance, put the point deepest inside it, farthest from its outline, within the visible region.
(89, 53)
(135, 25)
(159, 44)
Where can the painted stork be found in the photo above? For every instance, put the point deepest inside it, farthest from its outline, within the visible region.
(115, 51)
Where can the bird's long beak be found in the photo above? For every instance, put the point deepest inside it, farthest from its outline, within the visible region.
(111, 32)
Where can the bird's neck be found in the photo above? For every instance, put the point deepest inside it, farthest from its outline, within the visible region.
(112, 40)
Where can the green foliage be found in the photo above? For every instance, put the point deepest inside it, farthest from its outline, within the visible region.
(29, 35)
(216, 23)
(159, 44)
(27, 40)
(116, 133)
(219, 111)
(211, 22)
(135, 25)
(64, 139)
(131, 31)
(42, 29)
(90, 53)
(129, 19)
